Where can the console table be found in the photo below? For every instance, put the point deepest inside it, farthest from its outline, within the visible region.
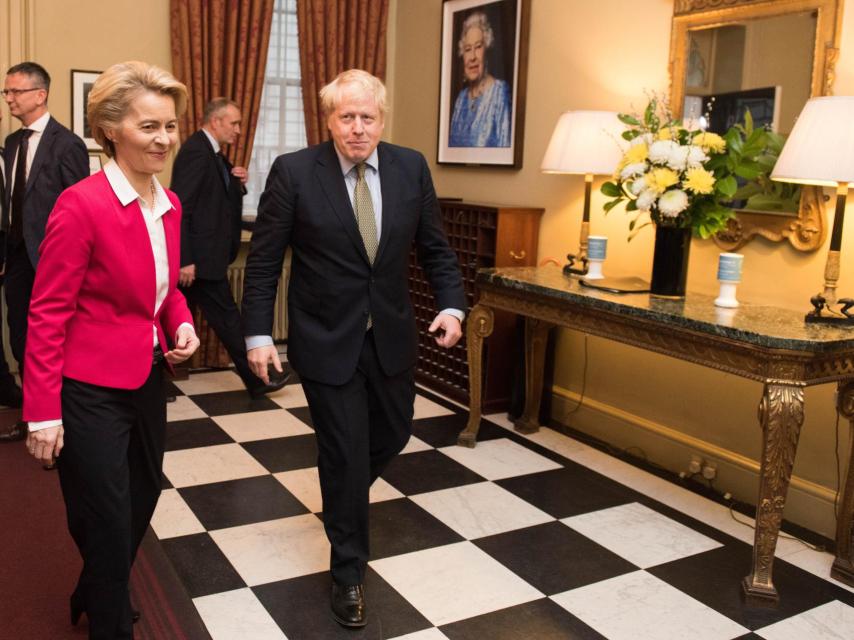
(771, 345)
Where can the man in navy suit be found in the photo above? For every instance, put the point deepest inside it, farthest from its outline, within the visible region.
(211, 193)
(41, 159)
(351, 210)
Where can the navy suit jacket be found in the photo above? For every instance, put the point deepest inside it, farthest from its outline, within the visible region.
(333, 286)
(61, 160)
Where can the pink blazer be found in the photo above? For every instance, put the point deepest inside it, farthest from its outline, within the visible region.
(92, 306)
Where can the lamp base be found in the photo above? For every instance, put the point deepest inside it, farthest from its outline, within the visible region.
(812, 317)
(569, 269)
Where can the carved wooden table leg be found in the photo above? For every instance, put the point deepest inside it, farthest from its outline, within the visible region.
(843, 566)
(480, 322)
(536, 336)
(781, 414)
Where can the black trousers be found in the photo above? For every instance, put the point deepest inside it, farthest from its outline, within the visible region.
(360, 426)
(110, 472)
(19, 279)
(214, 298)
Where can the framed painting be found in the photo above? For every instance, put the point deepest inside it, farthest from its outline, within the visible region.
(81, 84)
(483, 65)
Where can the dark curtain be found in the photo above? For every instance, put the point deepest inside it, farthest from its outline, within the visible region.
(336, 35)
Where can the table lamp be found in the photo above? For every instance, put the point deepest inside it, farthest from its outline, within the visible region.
(820, 151)
(584, 143)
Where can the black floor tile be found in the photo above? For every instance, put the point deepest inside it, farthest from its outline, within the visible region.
(303, 414)
(225, 403)
(171, 389)
(164, 482)
(401, 526)
(285, 454)
(201, 566)
(189, 434)
(714, 578)
(570, 491)
(300, 606)
(554, 558)
(540, 620)
(238, 502)
(443, 431)
(424, 471)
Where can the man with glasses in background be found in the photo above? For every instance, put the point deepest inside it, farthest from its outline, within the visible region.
(41, 160)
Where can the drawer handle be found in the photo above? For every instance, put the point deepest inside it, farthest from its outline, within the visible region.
(517, 256)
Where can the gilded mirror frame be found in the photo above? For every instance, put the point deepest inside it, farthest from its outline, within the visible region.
(806, 231)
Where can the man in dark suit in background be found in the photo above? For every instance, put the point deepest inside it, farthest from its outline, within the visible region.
(211, 193)
(350, 209)
(41, 160)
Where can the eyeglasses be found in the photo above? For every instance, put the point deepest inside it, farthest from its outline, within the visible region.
(16, 92)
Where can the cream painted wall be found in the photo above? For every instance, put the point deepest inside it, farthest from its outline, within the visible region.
(605, 55)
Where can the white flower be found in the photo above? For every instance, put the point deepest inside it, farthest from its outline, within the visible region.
(638, 185)
(644, 138)
(634, 169)
(678, 158)
(672, 203)
(661, 150)
(696, 156)
(646, 199)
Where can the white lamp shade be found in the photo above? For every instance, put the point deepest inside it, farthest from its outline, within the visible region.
(820, 149)
(585, 142)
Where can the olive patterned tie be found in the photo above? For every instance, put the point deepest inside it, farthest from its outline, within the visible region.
(364, 208)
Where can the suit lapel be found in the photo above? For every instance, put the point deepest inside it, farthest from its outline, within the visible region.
(42, 151)
(216, 167)
(9, 162)
(389, 186)
(332, 182)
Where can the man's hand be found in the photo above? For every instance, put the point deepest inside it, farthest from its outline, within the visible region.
(187, 275)
(446, 330)
(241, 174)
(260, 357)
(186, 344)
(45, 444)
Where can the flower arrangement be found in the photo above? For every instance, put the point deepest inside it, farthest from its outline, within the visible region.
(677, 177)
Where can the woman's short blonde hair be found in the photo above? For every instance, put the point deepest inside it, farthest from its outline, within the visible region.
(477, 19)
(332, 94)
(115, 89)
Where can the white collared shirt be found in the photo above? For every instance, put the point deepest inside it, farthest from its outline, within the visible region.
(212, 140)
(37, 129)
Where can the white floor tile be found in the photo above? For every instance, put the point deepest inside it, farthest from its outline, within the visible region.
(183, 409)
(454, 582)
(290, 397)
(639, 606)
(640, 535)
(831, 621)
(173, 517)
(211, 382)
(481, 509)
(275, 550)
(382, 491)
(262, 425)
(427, 634)
(189, 467)
(304, 484)
(237, 615)
(414, 445)
(818, 563)
(425, 408)
(501, 458)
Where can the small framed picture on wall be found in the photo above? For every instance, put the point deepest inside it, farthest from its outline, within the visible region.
(81, 84)
(482, 82)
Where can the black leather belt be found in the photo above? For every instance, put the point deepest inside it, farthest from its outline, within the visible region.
(157, 357)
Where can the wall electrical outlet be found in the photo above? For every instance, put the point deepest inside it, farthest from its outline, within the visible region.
(695, 465)
(710, 471)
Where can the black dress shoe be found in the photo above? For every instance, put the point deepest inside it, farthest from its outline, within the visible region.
(274, 385)
(16, 433)
(348, 605)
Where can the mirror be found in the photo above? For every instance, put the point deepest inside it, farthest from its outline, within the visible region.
(727, 56)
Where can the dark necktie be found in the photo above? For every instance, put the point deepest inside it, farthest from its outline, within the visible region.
(19, 187)
(224, 170)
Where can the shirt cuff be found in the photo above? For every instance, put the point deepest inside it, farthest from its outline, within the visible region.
(43, 424)
(184, 324)
(459, 315)
(255, 342)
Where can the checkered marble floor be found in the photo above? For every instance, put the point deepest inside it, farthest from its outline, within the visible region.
(534, 537)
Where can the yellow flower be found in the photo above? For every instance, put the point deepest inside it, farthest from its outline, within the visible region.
(710, 142)
(665, 134)
(635, 153)
(699, 180)
(660, 178)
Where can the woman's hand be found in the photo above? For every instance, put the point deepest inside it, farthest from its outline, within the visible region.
(45, 444)
(186, 344)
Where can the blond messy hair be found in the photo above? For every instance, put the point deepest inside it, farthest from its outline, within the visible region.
(332, 94)
(114, 90)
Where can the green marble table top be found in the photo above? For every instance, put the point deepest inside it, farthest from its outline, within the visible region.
(769, 327)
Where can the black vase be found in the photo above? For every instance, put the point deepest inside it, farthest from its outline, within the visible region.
(670, 261)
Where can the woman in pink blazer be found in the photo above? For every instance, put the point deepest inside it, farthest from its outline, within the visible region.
(104, 312)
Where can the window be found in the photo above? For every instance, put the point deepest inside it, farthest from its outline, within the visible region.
(281, 125)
